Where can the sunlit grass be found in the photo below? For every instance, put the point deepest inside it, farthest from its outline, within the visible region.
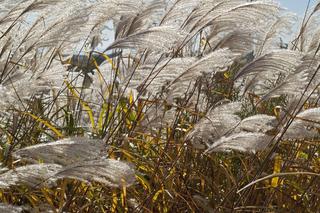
(156, 105)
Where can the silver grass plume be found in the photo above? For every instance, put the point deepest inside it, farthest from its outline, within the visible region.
(22, 84)
(233, 27)
(5, 208)
(226, 16)
(296, 82)
(35, 176)
(217, 61)
(72, 21)
(155, 79)
(178, 11)
(265, 70)
(237, 41)
(243, 141)
(109, 172)
(277, 61)
(293, 85)
(306, 125)
(314, 43)
(163, 39)
(157, 116)
(145, 18)
(204, 11)
(306, 39)
(281, 27)
(259, 123)
(310, 65)
(218, 122)
(15, 10)
(63, 152)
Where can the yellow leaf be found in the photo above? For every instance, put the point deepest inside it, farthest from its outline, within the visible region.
(144, 168)
(46, 195)
(127, 154)
(114, 202)
(131, 99)
(144, 182)
(84, 104)
(3, 197)
(109, 60)
(124, 197)
(276, 169)
(33, 199)
(156, 195)
(104, 109)
(46, 123)
(227, 75)
(203, 42)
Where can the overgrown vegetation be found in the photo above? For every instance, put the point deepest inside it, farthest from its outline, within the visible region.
(196, 106)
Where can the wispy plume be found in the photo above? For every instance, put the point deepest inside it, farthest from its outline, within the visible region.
(63, 152)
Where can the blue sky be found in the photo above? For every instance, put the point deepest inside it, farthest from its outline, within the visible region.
(297, 6)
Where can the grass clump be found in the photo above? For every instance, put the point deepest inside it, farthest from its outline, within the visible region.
(194, 106)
